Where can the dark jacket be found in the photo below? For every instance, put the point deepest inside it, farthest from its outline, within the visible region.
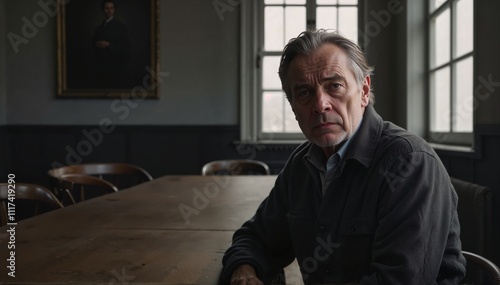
(388, 217)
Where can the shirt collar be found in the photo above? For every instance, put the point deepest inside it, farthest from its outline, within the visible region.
(343, 149)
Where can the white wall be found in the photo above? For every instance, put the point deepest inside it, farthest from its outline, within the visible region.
(198, 50)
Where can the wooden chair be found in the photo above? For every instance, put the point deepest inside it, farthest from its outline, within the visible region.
(236, 167)
(121, 175)
(492, 271)
(67, 186)
(475, 214)
(23, 191)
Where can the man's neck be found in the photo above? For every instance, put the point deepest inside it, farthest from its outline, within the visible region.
(330, 150)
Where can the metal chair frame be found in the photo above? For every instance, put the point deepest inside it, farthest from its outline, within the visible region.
(485, 264)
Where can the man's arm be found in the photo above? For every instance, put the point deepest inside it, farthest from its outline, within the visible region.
(263, 242)
(417, 239)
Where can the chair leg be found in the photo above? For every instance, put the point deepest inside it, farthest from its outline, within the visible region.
(70, 196)
(279, 279)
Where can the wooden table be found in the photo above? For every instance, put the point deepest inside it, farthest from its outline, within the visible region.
(138, 235)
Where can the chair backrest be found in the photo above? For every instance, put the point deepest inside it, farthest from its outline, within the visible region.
(67, 186)
(122, 175)
(493, 272)
(25, 191)
(474, 212)
(475, 215)
(235, 167)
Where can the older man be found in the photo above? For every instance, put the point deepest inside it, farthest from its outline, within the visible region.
(362, 201)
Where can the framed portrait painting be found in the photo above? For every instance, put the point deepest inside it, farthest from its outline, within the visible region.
(108, 48)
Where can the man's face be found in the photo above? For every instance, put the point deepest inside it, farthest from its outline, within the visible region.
(109, 9)
(327, 101)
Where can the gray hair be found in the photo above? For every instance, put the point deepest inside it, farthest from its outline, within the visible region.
(309, 41)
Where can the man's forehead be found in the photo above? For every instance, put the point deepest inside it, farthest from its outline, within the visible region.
(324, 56)
(326, 61)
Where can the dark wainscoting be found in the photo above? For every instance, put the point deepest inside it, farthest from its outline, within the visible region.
(162, 150)
(481, 167)
(4, 154)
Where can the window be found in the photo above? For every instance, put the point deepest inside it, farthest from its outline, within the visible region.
(451, 70)
(267, 25)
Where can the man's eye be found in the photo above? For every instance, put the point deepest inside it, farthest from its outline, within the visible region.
(335, 86)
(303, 93)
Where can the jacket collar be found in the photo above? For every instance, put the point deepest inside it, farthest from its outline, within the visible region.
(365, 141)
(361, 146)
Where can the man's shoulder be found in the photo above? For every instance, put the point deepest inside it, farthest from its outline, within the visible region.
(398, 141)
(298, 154)
(301, 150)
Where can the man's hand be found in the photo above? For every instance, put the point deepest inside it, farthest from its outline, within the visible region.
(245, 275)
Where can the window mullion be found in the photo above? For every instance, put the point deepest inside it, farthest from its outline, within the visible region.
(453, 48)
(311, 14)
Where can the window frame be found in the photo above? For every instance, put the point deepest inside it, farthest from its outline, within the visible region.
(251, 37)
(451, 137)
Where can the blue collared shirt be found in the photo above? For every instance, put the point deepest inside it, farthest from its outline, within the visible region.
(327, 170)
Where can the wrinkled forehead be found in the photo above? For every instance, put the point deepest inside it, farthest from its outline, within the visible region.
(325, 60)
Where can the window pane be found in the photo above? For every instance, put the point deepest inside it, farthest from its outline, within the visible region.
(440, 53)
(326, 18)
(273, 2)
(348, 2)
(326, 2)
(295, 22)
(436, 4)
(272, 111)
(465, 27)
(464, 103)
(282, 23)
(273, 25)
(291, 125)
(270, 77)
(440, 100)
(348, 22)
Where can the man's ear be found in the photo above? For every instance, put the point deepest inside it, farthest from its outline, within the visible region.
(365, 91)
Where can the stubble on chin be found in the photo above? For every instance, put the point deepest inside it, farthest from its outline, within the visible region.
(330, 140)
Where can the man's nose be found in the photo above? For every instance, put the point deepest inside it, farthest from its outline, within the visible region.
(321, 102)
